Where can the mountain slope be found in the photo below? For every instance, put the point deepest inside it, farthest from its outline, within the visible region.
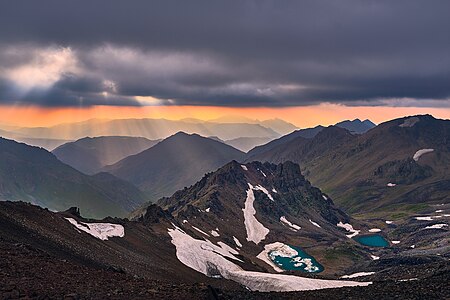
(34, 175)
(174, 163)
(301, 133)
(247, 143)
(356, 169)
(90, 155)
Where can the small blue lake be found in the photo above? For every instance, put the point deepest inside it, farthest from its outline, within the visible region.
(372, 240)
(300, 262)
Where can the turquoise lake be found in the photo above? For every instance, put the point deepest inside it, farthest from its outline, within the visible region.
(373, 240)
(301, 262)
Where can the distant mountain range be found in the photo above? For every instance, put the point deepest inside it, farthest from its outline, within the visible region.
(90, 155)
(155, 129)
(35, 175)
(356, 126)
(174, 163)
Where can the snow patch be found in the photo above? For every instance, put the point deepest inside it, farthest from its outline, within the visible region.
(349, 228)
(390, 184)
(264, 190)
(324, 197)
(244, 167)
(427, 218)
(421, 152)
(389, 222)
(395, 242)
(214, 233)
(263, 173)
(292, 226)
(209, 259)
(374, 257)
(256, 231)
(208, 209)
(102, 231)
(410, 122)
(413, 246)
(185, 221)
(201, 231)
(437, 226)
(274, 190)
(439, 211)
(314, 223)
(225, 247)
(374, 230)
(359, 274)
(237, 242)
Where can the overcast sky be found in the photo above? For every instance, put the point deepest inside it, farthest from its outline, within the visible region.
(225, 53)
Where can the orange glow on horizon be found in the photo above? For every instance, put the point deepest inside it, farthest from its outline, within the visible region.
(303, 116)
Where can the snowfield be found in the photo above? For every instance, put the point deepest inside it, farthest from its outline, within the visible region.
(437, 226)
(209, 259)
(264, 190)
(410, 122)
(237, 242)
(349, 228)
(359, 274)
(314, 223)
(421, 152)
(102, 231)
(199, 230)
(428, 218)
(292, 226)
(256, 232)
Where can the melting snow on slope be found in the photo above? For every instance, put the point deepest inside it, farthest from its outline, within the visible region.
(293, 227)
(437, 226)
(314, 223)
(421, 152)
(244, 167)
(264, 190)
(214, 233)
(256, 231)
(424, 218)
(359, 274)
(349, 228)
(101, 231)
(201, 231)
(409, 122)
(237, 242)
(209, 259)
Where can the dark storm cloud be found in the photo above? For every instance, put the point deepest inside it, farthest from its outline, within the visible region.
(240, 53)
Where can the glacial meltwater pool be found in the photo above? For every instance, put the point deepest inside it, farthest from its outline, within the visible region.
(372, 240)
(300, 262)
